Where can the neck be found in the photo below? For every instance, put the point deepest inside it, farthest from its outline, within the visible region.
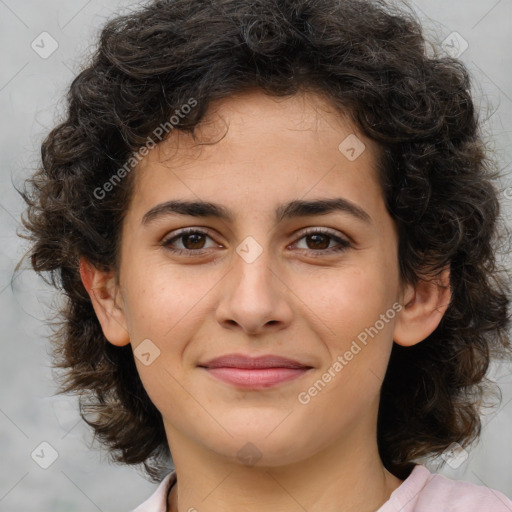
(346, 476)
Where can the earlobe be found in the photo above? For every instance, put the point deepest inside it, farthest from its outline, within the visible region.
(103, 292)
(425, 303)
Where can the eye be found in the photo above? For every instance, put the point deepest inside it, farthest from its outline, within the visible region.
(193, 240)
(319, 240)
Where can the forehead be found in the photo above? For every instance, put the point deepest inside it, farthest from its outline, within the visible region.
(257, 148)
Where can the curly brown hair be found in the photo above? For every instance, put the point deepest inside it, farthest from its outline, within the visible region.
(371, 60)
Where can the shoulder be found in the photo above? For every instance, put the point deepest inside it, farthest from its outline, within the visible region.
(424, 491)
(465, 496)
(157, 502)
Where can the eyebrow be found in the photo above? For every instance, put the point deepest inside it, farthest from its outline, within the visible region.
(293, 209)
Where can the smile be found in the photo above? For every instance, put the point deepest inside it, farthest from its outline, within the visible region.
(256, 378)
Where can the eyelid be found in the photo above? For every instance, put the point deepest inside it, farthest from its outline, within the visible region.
(319, 229)
(344, 242)
(185, 231)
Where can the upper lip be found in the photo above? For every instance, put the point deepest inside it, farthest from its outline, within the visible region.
(243, 361)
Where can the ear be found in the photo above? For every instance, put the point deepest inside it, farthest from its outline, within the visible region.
(424, 305)
(106, 301)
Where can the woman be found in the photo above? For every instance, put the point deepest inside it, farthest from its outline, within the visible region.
(275, 224)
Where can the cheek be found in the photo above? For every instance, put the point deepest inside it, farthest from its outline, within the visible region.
(164, 300)
(164, 306)
(350, 299)
(356, 308)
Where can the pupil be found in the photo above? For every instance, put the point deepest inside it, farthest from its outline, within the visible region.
(323, 246)
(196, 236)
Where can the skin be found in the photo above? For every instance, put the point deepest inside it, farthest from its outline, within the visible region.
(293, 300)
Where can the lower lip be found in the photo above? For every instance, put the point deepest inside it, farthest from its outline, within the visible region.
(260, 378)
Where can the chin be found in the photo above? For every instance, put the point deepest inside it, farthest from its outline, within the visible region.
(255, 448)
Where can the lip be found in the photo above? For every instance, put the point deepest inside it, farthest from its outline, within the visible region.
(254, 372)
(251, 363)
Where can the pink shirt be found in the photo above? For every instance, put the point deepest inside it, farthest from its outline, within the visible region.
(422, 491)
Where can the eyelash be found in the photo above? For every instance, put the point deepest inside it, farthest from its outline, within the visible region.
(344, 244)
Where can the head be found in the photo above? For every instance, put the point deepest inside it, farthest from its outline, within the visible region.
(265, 113)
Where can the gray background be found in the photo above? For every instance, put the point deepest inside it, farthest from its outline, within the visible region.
(31, 92)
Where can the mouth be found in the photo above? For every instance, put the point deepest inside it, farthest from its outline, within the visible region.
(254, 372)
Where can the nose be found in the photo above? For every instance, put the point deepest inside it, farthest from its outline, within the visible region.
(255, 298)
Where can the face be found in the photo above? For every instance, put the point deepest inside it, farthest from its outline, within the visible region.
(317, 286)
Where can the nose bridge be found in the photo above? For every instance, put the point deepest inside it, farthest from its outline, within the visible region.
(253, 270)
(254, 296)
